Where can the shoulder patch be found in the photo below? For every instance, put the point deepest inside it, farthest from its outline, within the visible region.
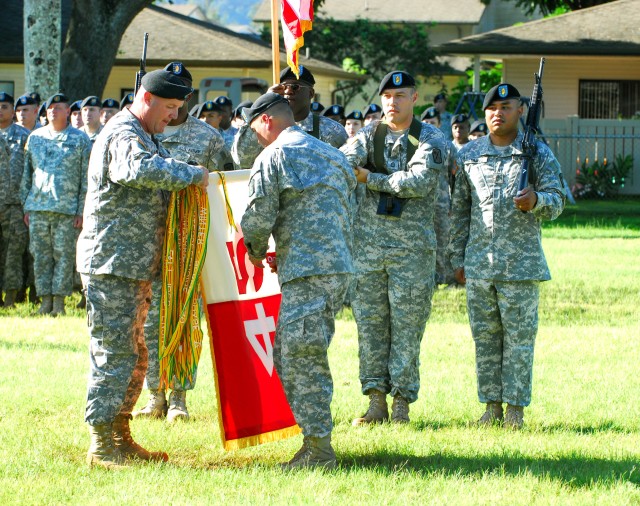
(437, 155)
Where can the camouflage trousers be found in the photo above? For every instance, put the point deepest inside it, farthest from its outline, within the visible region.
(116, 310)
(442, 226)
(14, 237)
(306, 324)
(504, 324)
(391, 308)
(152, 337)
(53, 246)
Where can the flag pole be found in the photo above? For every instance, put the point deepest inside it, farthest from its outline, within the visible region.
(275, 41)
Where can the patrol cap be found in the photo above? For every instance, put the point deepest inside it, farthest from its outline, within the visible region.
(58, 98)
(262, 104)
(178, 69)
(396, 79)
(334, 110)
(241, 105)
(305, 75)
(5, 97)
(165, 84)
(430, 113)
(209, 105)
(224, 101)
(372, 109)
(459, 118)
(76, 106)
(110, 103)
(502, 91)
(126, 100)
(91, 101)
(316, 107)
(35, 96)
(25, 100)
(439, 96)
(355, 115)
(478, 126)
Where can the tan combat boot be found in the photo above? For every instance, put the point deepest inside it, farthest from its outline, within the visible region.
(514, 417)
(58, 306)
(378, 411)
(177, 406)
(102, 452)
(399, 410)
(492, 415)
(10, 298)
(156, 406)
(315, 452)
(127, 447)
(47, 305)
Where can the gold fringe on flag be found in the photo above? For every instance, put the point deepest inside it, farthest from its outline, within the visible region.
(185, 248)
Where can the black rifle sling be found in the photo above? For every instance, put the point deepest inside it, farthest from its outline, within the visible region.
(378, 143)
(315, 132)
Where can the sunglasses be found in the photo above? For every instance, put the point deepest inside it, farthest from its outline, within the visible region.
(295, 87)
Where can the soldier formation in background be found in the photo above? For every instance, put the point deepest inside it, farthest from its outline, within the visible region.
(401, 207)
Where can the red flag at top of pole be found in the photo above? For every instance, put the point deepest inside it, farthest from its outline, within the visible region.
(297, 18)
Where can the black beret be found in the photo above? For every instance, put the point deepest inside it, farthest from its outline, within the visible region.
(241, 105)
(262, 104)
(91, 101)
(478, 126)
(355, 115)
(440, 96)
(305, 75)
(165, 84)
(316, 107)
(224, 101)
(76, 106)
(209, 105)
(25, 100)
(429, 113)
(110, 103)
(5, 97)
(459, 118)
(372, 109)
(58, 98)
(178, 69)
(396, 79)
(334, 110)
(35, 96)
(126, 100)
(42, 111)
(502, 91)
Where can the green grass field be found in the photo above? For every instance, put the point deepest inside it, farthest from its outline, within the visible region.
(580, 444)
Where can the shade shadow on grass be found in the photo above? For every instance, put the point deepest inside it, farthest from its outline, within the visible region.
(41, 346)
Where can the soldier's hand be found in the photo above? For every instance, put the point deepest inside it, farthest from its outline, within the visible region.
(256, 261)
(526, 199)
(205, 177)
(459, 275)
(277, 88)
(77, 222)
(361, 174)
(26, 219)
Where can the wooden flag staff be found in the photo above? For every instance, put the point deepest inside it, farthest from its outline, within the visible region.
(275, 41)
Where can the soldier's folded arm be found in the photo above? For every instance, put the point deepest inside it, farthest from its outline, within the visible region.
(460, 221)
(548, 187)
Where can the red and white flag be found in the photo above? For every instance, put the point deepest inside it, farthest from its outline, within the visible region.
(297, 18)
(242, 304)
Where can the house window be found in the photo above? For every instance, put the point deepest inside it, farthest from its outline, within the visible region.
(609, 99)
(7, 87)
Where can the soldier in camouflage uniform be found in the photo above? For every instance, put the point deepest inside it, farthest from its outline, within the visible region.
(299, 93)
(193, 141)
(300, 191)
(394, 249)
(440, 102)
(13, 231)
(54, 184)
(119, 255)
(90, 110)
(496, 248)
(227, 130)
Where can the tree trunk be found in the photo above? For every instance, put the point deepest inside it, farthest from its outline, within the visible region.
(42, 42)
(95, 30)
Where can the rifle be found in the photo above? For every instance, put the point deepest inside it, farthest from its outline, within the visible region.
(531, 128)
(143, 64)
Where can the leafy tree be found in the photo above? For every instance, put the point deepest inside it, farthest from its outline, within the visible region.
(371, 49)
(548, 7)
